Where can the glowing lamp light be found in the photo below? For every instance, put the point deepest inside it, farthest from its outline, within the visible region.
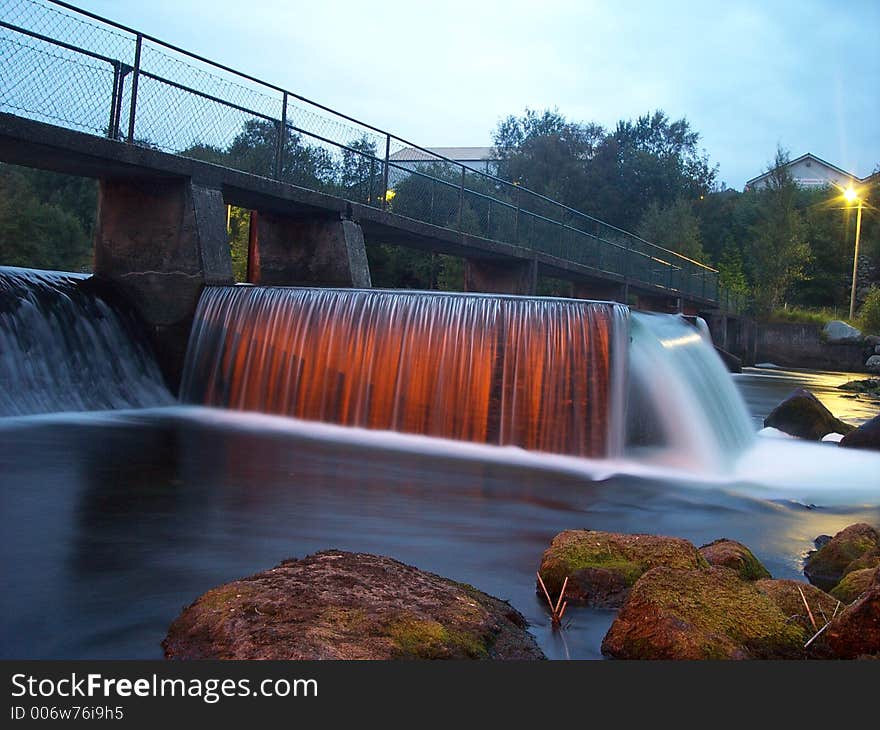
(389, 195)
(850, 195)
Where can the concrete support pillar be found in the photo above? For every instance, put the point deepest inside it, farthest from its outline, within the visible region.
(160, 241)
(501, 276)
(606, 291)
(307, 252)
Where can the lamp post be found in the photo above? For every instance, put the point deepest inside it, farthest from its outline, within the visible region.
(851, 196)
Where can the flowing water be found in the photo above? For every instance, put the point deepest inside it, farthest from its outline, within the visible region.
(111, 521)
(67, 345)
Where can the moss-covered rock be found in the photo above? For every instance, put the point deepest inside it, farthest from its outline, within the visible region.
(786, 594)
(731, 554)
(701, 614)
(827, 566)
(856, 632)
(854, 583)
(601, 567)
(804, 416)
(339, 605)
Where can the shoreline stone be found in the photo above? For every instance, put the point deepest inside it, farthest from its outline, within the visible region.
(601, 567)
(725, 553)
(829, 564)
(803, 415)
(342, 605)
(707, 613)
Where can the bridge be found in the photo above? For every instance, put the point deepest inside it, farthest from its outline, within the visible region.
(173, 138)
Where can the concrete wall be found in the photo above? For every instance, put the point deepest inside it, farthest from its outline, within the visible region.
(160, 242)
(801, 345)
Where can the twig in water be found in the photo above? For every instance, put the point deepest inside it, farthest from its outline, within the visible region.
(557, 610)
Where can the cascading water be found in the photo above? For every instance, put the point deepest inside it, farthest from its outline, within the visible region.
(542, 374)
(681, 397)
(65, 347)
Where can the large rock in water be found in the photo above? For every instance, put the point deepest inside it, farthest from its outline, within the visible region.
(601, 567)
(701, 614)
(731, 554)
(840, 333)
(825, 567)
(866, 436)
(340, 605)
(804, 416)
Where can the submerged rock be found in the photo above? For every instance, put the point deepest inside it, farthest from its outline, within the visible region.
(804, 416)
(825, 567)
(856, 632)
(731, 554)
(601, 567)
(340, 605)
(869, 385)
(866, 436)
(708, 613)
(854, 583)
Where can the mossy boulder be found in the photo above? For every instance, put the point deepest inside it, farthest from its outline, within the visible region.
(827, 566)
(803, 415)
(786, 594)
(731, 554)
(866, 436)
(340, 605)
(710, 613)
(601, 567)
(856, 632)
(854, 583)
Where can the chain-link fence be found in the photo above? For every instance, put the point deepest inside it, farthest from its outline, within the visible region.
(74, 69)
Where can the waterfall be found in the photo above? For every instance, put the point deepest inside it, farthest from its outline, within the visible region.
(541, 374)
(67, 346)
(681, 399)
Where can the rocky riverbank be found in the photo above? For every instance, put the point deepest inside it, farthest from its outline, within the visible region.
(719, 602)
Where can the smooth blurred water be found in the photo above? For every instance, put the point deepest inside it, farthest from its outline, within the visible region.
(66, 344)
(110, 523)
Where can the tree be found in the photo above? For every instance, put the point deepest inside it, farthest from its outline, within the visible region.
(674, 227)
(46, 219)
(778, 251)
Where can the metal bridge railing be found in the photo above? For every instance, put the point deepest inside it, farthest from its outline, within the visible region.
(75, 69)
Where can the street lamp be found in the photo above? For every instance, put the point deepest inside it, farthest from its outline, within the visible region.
(851, 196)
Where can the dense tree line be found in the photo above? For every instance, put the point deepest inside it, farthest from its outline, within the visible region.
(779, 245)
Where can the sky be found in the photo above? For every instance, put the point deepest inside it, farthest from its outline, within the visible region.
(748, 76)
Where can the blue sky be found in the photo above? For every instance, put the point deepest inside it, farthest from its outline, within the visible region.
(747, 75)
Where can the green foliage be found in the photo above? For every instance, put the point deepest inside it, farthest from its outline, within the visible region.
(673, 226)
(238, 232)
(612, 175)
(778, 251)
(731, 272)
(46, 219)
(803, 315)
(869, 314)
